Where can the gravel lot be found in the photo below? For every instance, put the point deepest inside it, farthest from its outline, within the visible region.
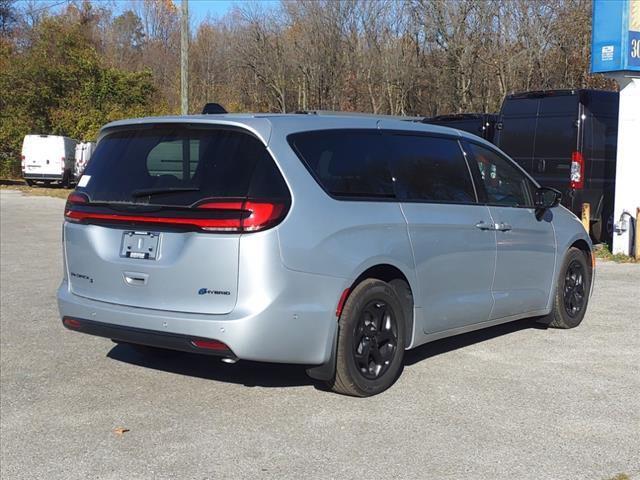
(516, 401)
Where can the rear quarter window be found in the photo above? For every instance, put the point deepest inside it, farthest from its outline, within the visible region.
(346, 163)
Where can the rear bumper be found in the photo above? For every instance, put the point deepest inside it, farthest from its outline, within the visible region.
(141, 336)
(41, 176)
(284, 331)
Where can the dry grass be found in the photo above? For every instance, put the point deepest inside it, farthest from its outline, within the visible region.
(603, 253)
(620, 476)
(19, 185)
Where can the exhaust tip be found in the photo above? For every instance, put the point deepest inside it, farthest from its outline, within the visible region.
(230, 360)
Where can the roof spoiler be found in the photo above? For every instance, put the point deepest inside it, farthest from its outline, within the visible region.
(213, 109)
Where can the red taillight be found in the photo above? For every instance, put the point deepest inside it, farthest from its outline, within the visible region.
(577, 171)
(77, 198)
(71, 323)
(234, 216)
(341, 302)
(209, 344)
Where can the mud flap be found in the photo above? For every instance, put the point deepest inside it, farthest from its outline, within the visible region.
(327, 371)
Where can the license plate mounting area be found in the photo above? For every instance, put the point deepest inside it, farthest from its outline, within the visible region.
(140, 245)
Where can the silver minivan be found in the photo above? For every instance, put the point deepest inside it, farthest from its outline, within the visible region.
(332, 241)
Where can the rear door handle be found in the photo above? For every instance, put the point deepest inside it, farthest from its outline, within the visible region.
(485, 226)
(503, 227)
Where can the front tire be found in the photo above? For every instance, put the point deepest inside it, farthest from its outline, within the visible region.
(572, 291)
(371, 341)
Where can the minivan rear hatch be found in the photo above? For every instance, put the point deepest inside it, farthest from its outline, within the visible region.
(156, 219)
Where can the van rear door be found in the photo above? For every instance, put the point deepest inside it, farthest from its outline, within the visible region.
(517, 129)
(157, 216)
(555, 141)
(44, 156)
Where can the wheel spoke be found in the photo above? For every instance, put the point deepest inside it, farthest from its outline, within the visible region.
(375, 354)
(362, 357)
(380, 312)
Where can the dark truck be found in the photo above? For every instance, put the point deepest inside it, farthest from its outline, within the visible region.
(480, 124)
(566, 139)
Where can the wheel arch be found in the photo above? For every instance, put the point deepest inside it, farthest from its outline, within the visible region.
(586, 249)
(393, 275)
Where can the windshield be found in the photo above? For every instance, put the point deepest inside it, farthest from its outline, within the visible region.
(179, 165)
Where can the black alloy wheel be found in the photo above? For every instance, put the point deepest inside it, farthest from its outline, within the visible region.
(571, 296)
(574, 288)
(371, 340)
(375, 339)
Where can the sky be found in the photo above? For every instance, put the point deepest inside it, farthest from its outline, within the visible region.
(198, 9)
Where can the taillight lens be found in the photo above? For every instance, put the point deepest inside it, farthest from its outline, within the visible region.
(577, 170)
(209, 216)
(23, 160)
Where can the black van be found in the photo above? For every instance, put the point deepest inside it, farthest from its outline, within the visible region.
(480, 124)
(566, 139)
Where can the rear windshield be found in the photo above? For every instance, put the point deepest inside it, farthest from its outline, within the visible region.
(180, 165)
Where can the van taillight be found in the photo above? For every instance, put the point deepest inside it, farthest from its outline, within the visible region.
(209, 216)
(577, 171)
(23, 160)
(251, 216)
(77, 198)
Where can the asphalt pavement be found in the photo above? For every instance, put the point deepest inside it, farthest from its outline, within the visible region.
(512, 402)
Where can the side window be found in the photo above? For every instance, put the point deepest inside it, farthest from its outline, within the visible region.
(430, 169)
(346, 163)
(503, 183)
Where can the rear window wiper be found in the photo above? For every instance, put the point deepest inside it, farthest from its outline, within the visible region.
(145, 192)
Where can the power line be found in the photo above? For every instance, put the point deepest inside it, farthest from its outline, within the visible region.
(49, 6)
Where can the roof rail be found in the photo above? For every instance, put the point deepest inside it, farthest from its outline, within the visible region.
(359, 114)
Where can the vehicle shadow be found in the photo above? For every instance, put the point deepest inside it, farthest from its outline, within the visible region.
(256, 374)
(438, 347)
(249, 374)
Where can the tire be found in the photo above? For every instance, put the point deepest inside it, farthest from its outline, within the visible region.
(372, 315)
(66, 180)
(601, 230)
(29, 182)
(572, 291)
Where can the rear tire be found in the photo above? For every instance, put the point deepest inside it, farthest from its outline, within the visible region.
(371, 343)
(29, 182)
(601, 231)
(572, 291)
(66, 180)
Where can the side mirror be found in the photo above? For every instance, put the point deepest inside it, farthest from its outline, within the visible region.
(546, 197)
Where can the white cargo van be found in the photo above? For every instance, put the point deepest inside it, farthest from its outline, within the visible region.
(48, 158)
(83, 154)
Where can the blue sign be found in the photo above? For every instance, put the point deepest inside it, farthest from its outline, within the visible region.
(615, 38)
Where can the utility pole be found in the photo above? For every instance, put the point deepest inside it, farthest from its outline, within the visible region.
(184, 58)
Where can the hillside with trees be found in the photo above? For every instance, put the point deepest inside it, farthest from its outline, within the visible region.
(71, 70)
